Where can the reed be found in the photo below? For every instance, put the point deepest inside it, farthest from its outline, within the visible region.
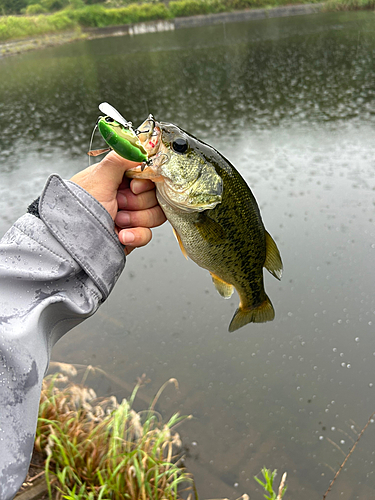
(267, 484)
(99, 448)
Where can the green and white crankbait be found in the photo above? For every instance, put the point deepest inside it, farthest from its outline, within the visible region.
(119, 134)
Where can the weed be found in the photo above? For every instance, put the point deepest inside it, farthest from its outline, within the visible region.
(100, 449)
(267, 484)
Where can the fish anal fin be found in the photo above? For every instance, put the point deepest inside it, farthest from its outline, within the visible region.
(180, 243)
(273, 262)
(259, 314)
(225, 289)
(210, 230)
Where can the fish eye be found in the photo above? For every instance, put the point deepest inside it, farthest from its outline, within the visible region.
(108, 119)
(180, 145)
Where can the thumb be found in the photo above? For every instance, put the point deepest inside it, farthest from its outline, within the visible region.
(103, 179)
(113, 168)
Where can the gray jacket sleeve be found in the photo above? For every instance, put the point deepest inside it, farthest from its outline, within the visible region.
(54, 272)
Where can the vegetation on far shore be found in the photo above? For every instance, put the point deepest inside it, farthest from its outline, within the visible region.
(335, 5)
(79, 15)
(30, 18)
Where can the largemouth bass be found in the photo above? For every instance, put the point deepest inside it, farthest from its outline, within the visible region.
(214, 215)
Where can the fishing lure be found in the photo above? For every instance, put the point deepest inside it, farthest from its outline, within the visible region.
(119, 134)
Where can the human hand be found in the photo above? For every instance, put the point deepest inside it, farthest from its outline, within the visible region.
(132, 204)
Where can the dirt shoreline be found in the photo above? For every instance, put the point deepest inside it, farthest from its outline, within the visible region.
(13, 47)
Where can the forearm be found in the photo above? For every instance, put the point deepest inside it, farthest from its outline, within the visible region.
(54, 272)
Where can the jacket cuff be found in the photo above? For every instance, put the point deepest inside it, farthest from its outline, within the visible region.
(85, 229)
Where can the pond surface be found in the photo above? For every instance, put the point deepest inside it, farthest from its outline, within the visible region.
(291, 103)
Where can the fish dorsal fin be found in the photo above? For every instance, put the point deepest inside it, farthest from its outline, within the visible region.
(273, 262)
(225, 289)
(184, 253)
(210, 230)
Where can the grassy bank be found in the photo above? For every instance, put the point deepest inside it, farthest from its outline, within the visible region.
(336, 5)
(17, 27)
(99, 448)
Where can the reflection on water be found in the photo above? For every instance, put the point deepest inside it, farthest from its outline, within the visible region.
(290, 103)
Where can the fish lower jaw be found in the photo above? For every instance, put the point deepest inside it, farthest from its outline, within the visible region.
(144, 172)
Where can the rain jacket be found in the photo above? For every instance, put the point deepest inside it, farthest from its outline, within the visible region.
(58, 263)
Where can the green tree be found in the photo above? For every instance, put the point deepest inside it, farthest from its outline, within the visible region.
(8, 7)
(53, 5)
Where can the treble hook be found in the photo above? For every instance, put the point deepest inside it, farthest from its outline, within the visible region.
(150, 162)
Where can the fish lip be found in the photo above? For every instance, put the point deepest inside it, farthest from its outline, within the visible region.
(149, 135)
(147, 170)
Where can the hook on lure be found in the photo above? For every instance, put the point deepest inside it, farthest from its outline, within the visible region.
(156, 161)
(147, 130)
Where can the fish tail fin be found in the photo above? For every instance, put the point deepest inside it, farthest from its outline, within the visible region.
(259, 314)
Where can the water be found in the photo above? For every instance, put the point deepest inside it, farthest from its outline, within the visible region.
(291, 103)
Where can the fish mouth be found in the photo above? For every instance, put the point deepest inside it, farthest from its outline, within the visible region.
(149, 135)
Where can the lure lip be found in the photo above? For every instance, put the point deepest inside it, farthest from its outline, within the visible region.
(112, 112)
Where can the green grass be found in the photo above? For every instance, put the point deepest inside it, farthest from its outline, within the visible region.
(17, 27)
(97, 448)
(267, 484)
(337, 5)
(100, 449)
(13, 27)
(78, 15)
(99, 16)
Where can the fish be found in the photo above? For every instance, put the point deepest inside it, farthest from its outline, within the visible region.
(214, 215)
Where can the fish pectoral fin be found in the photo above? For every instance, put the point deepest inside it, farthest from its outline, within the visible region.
(184, 253)
(225, 289)
(210, 230)
(259, 314)
(273, 262)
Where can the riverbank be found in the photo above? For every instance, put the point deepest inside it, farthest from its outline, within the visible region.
(13, 47)
(108, 447)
